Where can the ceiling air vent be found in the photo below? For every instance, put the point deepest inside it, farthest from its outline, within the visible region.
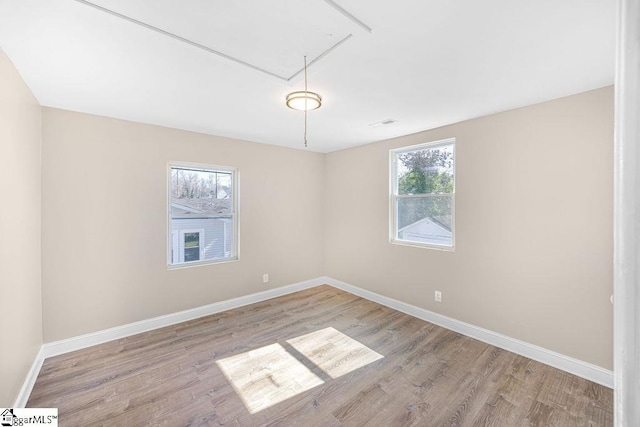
(384, 122)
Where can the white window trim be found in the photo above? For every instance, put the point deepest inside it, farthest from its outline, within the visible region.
(235, 214)
(393, 195)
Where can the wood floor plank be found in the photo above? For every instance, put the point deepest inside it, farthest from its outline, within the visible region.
(424, 375)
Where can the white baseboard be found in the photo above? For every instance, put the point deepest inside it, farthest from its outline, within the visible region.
(83, 341)
(574, 366)
(30, 380)
(568, 364)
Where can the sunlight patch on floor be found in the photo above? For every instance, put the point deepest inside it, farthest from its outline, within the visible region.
(334, 352)
(266, 376)
(269, 375)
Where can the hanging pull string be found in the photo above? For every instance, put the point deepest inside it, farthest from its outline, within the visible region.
(306, 97)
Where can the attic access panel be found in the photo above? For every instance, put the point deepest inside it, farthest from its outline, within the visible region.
(271, 36)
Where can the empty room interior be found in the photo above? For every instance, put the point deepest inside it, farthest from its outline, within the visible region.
(314, 213)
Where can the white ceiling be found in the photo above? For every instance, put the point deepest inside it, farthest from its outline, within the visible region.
(224, 67)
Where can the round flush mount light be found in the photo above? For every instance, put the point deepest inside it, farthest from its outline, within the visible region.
(304, 100)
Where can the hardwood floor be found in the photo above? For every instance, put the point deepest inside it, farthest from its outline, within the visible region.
(309, 359)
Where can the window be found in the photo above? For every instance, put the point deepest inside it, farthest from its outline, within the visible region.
(192, 245)
(422, 194)
(187, 245)
(203, 217)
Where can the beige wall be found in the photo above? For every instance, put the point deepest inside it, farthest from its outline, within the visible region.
(533, 255)
(105, 215)
(21, 316)
(534, 224)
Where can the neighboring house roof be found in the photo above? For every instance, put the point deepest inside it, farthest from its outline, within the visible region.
(443, 221)
(183, 207)
(199, 206)
(427, 230)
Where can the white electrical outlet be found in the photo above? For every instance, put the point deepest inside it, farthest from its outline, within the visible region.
(265, 278)
(437, 296)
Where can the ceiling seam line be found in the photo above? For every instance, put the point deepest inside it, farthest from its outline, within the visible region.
(179, 38)
(322, 55)
(340, 9)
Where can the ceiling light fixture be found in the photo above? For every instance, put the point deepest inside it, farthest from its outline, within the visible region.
(303, 100)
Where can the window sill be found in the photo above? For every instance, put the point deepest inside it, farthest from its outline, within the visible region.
(201, 263)
(423, 245)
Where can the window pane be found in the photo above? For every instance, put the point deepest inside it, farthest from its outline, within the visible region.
(191, 254)
(191, 240)
(200, 192)
(426, 171)
(425, 219)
